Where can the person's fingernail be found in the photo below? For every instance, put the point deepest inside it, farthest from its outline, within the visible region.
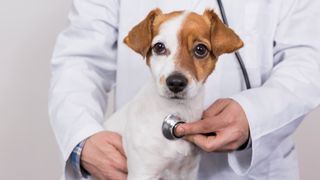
(179, 131)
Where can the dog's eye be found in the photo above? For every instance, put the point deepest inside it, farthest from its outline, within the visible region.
(200, 51)
(159, 48)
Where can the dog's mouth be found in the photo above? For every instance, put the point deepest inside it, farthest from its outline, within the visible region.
(166, 93)
(176, 96)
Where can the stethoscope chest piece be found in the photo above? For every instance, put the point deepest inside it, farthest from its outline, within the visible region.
(169, 125)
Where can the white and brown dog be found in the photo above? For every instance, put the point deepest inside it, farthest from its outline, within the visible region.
(181, 49)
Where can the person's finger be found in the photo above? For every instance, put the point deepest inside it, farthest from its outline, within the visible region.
(116, 141)
(197, 127)
(220, 142)
(229, 147)
(119, 162)
(104, 171)
(110, 174)
(203, 126)
(115, 158)
(202, 141)
(209, 143)
(118, 175)
(216, 108)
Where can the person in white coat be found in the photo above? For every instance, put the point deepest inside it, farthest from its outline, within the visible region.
(281, 54)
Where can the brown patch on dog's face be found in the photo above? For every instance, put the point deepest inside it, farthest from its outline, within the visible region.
(208, 32)
(158, 21)
(140, 37)
(195, 30)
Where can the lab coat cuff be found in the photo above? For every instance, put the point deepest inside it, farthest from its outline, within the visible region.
(241, 161)
(88, 130)
(75, 158)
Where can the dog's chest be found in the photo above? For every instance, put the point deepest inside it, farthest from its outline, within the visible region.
(143, 128)
(145, 132)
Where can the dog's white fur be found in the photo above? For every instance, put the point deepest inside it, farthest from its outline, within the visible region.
(163, 66)
(150, 155)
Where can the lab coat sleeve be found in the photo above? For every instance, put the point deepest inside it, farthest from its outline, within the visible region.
(83, 72)
(275, 109)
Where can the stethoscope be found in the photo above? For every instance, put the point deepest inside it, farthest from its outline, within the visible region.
(171, 121)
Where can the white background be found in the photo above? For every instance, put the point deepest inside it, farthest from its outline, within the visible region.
(28, 150)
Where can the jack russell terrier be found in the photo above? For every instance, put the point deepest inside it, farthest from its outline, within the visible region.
(181, 49)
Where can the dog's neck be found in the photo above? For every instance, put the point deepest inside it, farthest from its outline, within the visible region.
(188, 109)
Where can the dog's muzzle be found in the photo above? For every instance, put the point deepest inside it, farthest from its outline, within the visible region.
(169, 125)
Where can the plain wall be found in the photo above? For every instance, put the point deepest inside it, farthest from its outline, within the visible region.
(28, 149)
(28, 30)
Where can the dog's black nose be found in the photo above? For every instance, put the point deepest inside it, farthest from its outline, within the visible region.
(177, 82)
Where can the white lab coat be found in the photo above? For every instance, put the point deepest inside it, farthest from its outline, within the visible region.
(90, 59)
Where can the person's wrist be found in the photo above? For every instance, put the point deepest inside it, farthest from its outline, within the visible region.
(246, 144)
(76, 160)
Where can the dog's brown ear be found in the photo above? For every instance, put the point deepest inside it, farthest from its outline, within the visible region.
(140, 37)
(223, 39)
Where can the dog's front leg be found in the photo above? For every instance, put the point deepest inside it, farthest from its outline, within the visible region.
(139, 170)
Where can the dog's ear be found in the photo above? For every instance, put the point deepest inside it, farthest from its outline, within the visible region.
(223, 39)
(140, 37)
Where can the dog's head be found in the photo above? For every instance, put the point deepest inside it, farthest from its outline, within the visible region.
(181, 49)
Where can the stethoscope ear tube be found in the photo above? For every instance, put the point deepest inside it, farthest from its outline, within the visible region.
(238, 56)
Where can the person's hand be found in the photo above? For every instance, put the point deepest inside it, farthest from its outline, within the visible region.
(103, 156)
(227, 119)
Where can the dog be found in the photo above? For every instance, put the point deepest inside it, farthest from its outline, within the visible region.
(181, 49)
